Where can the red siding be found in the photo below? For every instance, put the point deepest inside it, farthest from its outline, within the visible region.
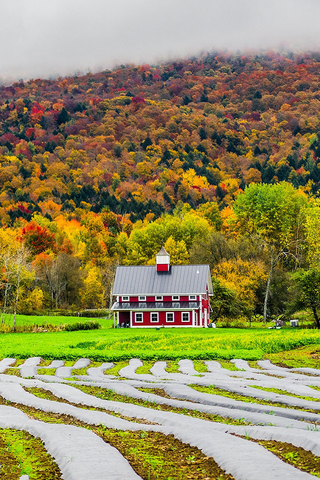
(163, 267)
(162, 319)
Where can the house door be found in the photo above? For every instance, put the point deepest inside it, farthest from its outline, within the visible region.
(124, 319)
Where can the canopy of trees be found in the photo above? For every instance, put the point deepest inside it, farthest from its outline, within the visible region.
(215, 157)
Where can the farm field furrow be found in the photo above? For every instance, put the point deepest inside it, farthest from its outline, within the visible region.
(144, 425)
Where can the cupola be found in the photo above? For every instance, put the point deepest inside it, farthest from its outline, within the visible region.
(163, 261)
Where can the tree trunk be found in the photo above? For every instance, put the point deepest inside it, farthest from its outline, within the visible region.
(266, 297)
(17, 299)
(5, 303)
(315, 314)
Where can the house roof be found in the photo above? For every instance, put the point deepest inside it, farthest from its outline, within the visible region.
(145, 280)
(162, 252)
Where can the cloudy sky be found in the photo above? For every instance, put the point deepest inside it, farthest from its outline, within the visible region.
(43, 38)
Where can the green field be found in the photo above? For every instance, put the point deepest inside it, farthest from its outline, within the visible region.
(56, 320)
(110, 344)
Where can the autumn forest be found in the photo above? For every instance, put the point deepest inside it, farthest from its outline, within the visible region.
(216, 157)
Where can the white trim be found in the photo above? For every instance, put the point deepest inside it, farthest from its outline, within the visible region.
(169, 325)
(177, 299)
(130, 318)
(118, 319)
(136, 308)
(201, 316)
(142, 298)
(158, 298)
(135, 317)
(205, 317)
(193, 299)
(169, 313)
(125, 298)
(185, 321)
(154, 313)
(152, 294)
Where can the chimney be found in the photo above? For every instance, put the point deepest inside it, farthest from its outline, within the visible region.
(163, 261)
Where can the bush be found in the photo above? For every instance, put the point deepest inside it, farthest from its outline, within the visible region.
(94, 313)
(71, 327)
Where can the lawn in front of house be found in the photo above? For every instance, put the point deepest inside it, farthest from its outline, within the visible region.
(151, 344)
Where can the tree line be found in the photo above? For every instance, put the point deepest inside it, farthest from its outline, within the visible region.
(263, 252)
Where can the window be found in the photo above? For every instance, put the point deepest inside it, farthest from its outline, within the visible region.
(159, 298)
(176, 305)
(159, 305)
(175, 298)
(142, 305)
(185, 316)
(139, 317)
(154, 317)
(125, 298)
(170, 317)
(142, 298)
(192, 297)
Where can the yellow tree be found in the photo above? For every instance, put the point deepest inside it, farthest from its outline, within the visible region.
(178, 251)
(93, 293)
(244, 277)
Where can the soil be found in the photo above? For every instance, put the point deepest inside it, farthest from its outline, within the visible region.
(298, 457)
(44, 467)
(153, 455)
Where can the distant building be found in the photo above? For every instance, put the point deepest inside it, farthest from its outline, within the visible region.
(163, 294)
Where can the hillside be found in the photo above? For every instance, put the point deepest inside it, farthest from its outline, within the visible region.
(139, 139)
(103, 169)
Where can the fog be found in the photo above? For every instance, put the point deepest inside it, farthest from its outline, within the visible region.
(48, 38)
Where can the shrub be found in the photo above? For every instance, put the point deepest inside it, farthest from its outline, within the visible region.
(95, 313)
(71, 327)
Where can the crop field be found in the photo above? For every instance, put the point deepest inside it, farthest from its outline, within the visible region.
(168, 404)
(55, 320)
(110, 344)
(156, 420)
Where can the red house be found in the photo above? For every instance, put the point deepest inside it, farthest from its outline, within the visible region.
(162, 295)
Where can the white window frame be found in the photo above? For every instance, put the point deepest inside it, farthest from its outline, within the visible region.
(140, 315)
(176, 298)
(192, 298)
(167, 314)
(159, 298)
(157, 315)
(142, 298)
(185, 313)
(125, 298)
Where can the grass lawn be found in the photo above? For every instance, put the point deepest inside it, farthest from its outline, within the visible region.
(150, 344)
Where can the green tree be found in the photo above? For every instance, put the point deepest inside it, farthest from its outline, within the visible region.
(272, 216)
(225, 302)
(307, 292)
(312, 232)
(63, 116)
